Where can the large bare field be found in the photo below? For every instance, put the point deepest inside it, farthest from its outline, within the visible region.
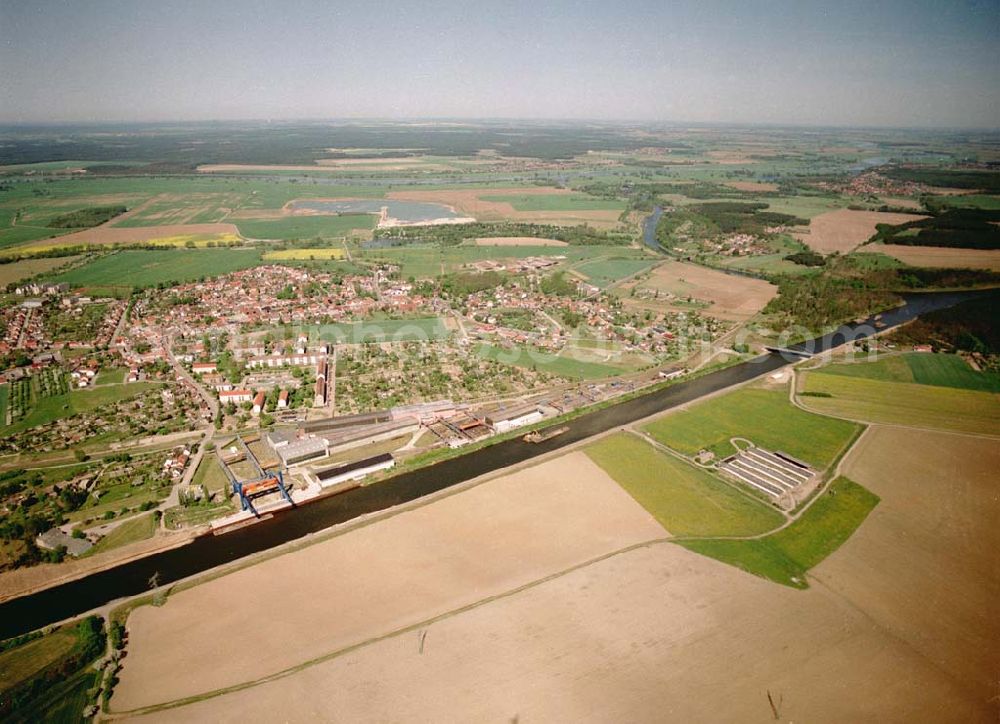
(733, 298)
(925, 566)
(468, 202)
(655, 634)
(425, 562)
(938, 256)
(518, 241)
(752, 185)
(901, 624)
(26, 268)
(844, 229)
(135, 234)
(404, 163)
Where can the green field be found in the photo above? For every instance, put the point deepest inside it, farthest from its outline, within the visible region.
(62, 704)
(306, 227)
(762, 264)
(111, 376)
(556, 202)
(805, 207)
(431, 261)
(210, 474)
(393, 330)
(51, 675)
(531, 358)
(148, 267)
(766, 417)
(685, 500)
(970, 201)
(47, 409)
(941, 370)
(901, 403)
(4, 394)
(131, 531)
(602, 272)
(948, 370)
(23, 662)
(154, 200)
(787, 555)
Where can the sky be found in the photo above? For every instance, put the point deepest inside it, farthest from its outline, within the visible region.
(903, 63)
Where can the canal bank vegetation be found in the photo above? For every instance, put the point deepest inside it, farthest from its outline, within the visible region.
(787, 555)
(850, 288)
(965, 228)
(48, 677)
(972, 326)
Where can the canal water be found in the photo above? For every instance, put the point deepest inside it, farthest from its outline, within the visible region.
(54, 604)
(649, 228)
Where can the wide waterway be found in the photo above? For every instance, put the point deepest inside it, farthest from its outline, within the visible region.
(74, 597)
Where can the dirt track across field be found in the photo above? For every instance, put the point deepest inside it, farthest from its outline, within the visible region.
(518, 241)
(844, 229)
(428, 561)
(655, 634)
(900, 624)
(925, 566)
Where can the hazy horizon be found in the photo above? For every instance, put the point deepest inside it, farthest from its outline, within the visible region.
(898, 64)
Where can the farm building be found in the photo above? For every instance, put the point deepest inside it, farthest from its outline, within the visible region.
(504, 420)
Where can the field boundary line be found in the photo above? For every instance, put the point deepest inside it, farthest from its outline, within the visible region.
(801, 405)
(409, 628)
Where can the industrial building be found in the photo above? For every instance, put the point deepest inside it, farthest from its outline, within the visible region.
(346, 439)
(354, 470)
(319, 396)
(513, 417)
(295, 452)
(342, 422)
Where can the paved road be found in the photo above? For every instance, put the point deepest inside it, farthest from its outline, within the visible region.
(173, 499)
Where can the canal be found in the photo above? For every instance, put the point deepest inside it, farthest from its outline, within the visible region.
(74, 597)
